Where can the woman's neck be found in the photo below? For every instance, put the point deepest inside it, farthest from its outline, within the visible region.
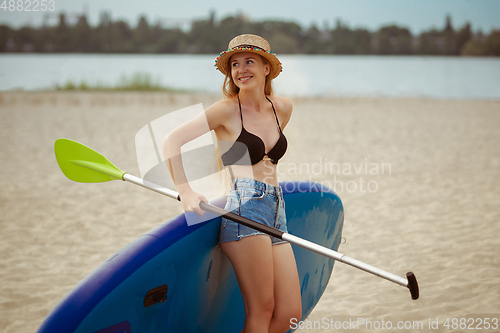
(252, 98)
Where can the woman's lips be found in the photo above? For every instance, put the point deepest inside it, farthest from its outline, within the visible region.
(244, 78)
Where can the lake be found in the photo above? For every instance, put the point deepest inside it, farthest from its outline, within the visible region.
(303, 75)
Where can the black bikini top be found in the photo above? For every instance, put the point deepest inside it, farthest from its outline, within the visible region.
(255, 145)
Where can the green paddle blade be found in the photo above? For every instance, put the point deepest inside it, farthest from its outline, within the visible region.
(83, 164)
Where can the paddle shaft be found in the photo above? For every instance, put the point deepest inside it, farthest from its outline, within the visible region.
(410, 282)
(83, 164)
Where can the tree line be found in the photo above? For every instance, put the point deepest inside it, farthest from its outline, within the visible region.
(211, 36)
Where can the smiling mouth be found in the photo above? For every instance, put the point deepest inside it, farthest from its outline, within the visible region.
(245, 79)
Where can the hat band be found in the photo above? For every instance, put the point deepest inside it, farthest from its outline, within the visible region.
(247, 47)
(242, 48)
(250, 46)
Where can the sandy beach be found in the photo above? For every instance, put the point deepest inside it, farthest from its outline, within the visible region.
(419, 180)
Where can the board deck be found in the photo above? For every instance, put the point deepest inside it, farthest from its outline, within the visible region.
(202, 294)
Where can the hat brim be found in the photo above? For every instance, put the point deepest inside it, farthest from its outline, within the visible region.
(221, 62)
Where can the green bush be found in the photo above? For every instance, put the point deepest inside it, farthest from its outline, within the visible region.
(136, 82)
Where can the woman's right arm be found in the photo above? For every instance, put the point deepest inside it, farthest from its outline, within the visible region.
(212, 119)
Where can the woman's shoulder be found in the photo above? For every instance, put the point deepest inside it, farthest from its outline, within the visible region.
(220, 112)
(223, 107)
(283, 107)
(283, 104)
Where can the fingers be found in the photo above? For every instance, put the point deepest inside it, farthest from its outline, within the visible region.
(198, 210)
(193, 208)
(192, 203)
(195, 204)
(202, 198)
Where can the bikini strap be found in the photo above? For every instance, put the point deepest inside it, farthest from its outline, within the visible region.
(274, 110)
(241, 115)
(274, 113)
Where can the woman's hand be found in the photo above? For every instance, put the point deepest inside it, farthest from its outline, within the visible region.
(190, 201)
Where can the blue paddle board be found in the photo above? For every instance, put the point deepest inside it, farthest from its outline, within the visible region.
(175, 278)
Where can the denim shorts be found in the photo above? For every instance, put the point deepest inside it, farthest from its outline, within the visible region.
(257, 201)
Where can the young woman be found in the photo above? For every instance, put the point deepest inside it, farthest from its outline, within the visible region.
(252, 118)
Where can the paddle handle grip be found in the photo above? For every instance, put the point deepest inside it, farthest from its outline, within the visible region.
(413, 285)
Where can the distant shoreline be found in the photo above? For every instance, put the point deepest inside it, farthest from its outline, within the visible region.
(210, 35)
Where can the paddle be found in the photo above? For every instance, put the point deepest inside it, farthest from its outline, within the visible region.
(82, 164)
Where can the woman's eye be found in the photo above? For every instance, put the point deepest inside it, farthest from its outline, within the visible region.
(235, 64)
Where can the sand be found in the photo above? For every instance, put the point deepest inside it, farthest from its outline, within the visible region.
(419, 179)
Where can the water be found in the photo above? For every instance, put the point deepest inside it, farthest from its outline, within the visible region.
(303, 75)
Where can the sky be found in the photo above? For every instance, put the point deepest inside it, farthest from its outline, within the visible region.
(416, 15)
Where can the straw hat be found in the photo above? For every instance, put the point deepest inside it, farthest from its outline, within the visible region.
(249, 43)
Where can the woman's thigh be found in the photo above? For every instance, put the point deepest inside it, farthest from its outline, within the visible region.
(252, 260)
(286, 281)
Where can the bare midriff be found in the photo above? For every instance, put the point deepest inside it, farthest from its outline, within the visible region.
(264, 171)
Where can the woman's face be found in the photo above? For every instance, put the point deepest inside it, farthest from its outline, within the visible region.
(248, 70)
